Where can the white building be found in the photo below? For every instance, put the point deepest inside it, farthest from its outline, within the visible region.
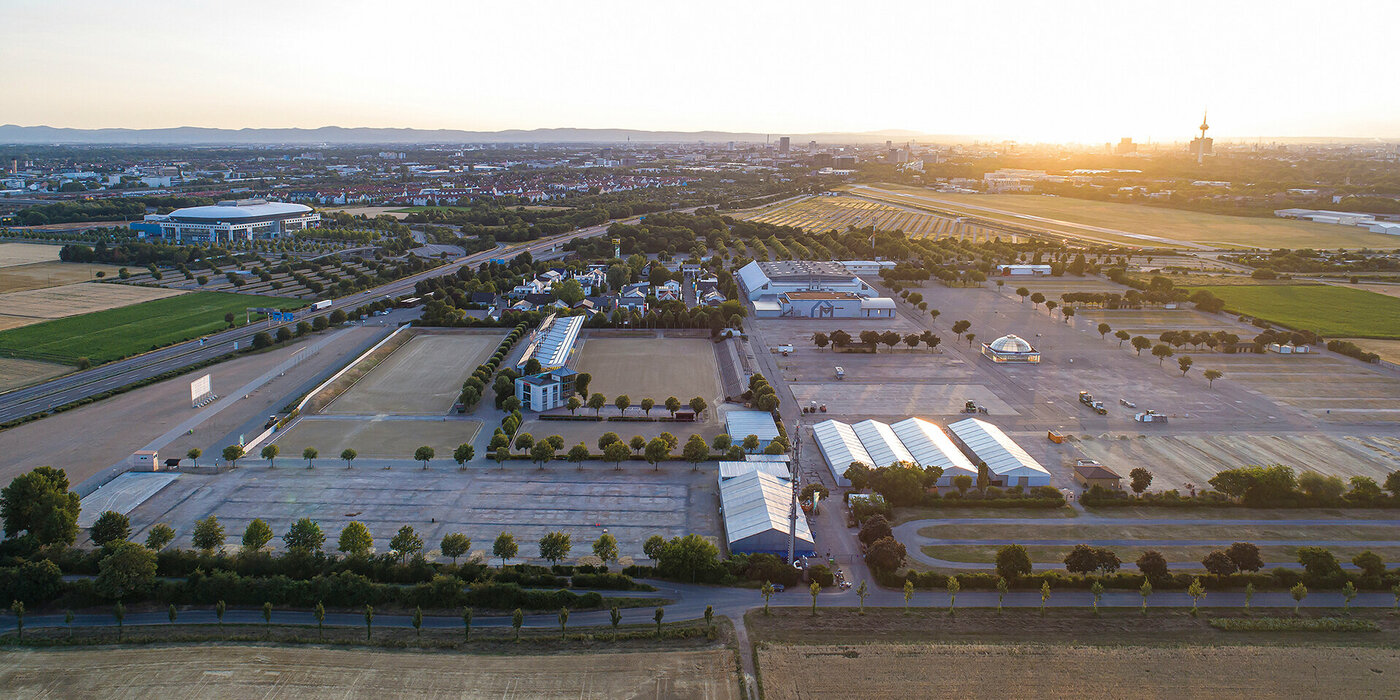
(840, 448)
(769, 279)
(828, 305)
(932, 447)
(1011, 349)
(755, 506)
(741, 424)
(1023, 270)
(545, 391)
(881, 443)
(1008, 462)
(241, 220)
(729, 470)
(552, 342)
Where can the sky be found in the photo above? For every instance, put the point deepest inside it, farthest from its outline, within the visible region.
(1033, 71)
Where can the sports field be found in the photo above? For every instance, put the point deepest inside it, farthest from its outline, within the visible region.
(17, 278)
(26, 253)
(1329, 310)
(388, 439)
(1133, 223)
(311, 673)
(103, 336)
(423, 377)
(651, 367)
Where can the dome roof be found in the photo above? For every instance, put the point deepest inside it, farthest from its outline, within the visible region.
(1010, 343)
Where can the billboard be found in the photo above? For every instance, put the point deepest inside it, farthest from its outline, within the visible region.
(199, 387)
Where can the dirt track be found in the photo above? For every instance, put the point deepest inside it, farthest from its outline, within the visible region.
(309, 673)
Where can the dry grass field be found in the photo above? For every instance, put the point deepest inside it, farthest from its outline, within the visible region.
(423, 377)
(309, 673)
(1132, 223)
(993, 670)
(389, 439)
(26, 253)
(822, 214)
(35, 305)
(1389, 350)
(18, 278)
(651, 367)
(15, 373)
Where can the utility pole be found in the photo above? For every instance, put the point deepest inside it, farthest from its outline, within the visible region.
(796, 469)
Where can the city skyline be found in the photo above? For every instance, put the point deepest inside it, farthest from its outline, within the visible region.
(1077, 74)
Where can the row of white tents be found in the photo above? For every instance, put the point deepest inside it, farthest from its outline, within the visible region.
(917, 441)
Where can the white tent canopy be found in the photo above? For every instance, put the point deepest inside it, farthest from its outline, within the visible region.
(840, 446)
(932, 447)
(881, 443)
(1009, 463)
(756, 507)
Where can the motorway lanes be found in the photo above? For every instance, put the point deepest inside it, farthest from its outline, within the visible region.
(79, 385)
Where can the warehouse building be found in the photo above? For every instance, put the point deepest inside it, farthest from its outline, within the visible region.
(840, 447)
(1008, 462)
(756, 506)
(1023, 270)
(769, 279)
(552, 342)
(931, 447)
(829, 305)
(232, 221)
(730, 470)
(741, 424)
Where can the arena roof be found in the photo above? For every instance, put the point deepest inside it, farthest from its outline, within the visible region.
(729, 470)
(240, 211)
(741, 424)
(553, 342)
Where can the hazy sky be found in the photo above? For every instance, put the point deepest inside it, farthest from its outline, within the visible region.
(1083, 71)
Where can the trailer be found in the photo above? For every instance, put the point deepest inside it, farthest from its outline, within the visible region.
(1088, 400)
(1150, 416)
(322, 304)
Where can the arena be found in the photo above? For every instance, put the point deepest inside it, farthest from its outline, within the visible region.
(240, 220)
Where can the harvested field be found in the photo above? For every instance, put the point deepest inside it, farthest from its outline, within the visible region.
(1054, 555)
(894, 670)
(1178, 460)
(651, 367)
(307, 673)
(423, 377)
(17, 373)
(1154, 322)
(35, 305)
(588, 432)
(26, 253)
(391, 439)
(50, 274)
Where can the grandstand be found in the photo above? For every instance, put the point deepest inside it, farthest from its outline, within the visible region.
(552, 342)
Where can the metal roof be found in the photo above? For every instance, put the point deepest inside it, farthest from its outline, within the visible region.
(235, 212)
(729, 470)
(757, 502)
(840, 446)
(553, 341)
(932, 447)
(741, 424)
(881, 443)
(1003, 456)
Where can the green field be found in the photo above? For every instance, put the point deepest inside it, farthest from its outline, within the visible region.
(417, 210)
(1334, 312)
(104, 336)
(1144, 225)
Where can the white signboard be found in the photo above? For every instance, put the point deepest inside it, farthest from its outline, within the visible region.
(199, 387)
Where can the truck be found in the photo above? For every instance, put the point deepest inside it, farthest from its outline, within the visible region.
(840, 372)
(1150, 416)
(969, 407)
(1088, 400)
(322, 304)
(785, 349)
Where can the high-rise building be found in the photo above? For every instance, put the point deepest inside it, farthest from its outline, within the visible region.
(1202, 145)
(784, 144)
(1126, 146)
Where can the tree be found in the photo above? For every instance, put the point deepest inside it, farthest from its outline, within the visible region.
(695, 451)
(1122, 336)
(256, 536)
(1219, 563)
(159, 536)
(269, 453)
(505, 547)
(320, 613)
(466, 623)
(885, 554)
(1152, 565)
(502, 454)
(119, 612)
(1082, 559)
(208, 535)
(349, 456)
(962, 483)
(454, 545)
(686, 556)
(961, 327)
(542, 453)
(1140, 343)
(1037, 299)
(39, 503)
(304, 537)
(660, 613)
(581, 382)
(555, 547)
(232, 454)
(1103, 329)
(652, 547)
(698, 405)
(578, 454)
(310, 454)
(1145, 590)
(1097, 590)
(463, 454)
(656, 451)
(369, 620)
(1245, 556)
(767, 592)
(194, 454)
(615, 452)
(875, 527)
(423, 454)
(815, 588)
(1392, 483)
(953, 587)
(615, 616)
(637, 443)
(908, 594)
(622, 402)
(573, 404)
(406, 543)
(1319, 562)
(605, 548)
(1348, 592)
(1299, 592)
(1370, 563)
(110, 527)
(597, 402)
(1139, 479)
(355, 539)
(127, 569)
(1002, 588)
(1044, 596)
(219, 609)
(1013, 561)
(1162, 351)
(1023, 293)
(524, 441)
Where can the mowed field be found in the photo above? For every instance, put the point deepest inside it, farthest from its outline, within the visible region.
(1134, 223)
(1329, 310)
(27, 253)
(18, 373)
(306, 673)
(103, 336)
(423, 377)
(991, 670)
(17, 278)
(651, 367)
(822, 214)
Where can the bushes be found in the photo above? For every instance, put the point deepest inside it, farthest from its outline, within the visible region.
(608, 582)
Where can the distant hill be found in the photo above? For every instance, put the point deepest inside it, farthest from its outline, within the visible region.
(338, 135)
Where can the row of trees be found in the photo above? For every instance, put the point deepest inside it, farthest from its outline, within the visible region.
(872, 339)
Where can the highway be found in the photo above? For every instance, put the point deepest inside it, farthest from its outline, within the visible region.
(31, 400)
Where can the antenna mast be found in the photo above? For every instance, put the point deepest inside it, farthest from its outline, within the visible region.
(795, 469)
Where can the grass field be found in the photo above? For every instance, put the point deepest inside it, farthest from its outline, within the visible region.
(26, 253)
(423, 377)
(309, 673)
(651, 367)
(17, 373)
(820, 214)
(1328, 310)
(1135, 224)
(1193, 554)
(36, 305)
(109, 335)
(50, 274)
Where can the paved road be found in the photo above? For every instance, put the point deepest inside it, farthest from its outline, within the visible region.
(79, 385)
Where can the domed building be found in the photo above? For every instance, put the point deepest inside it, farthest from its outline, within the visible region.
(230, 221)
(1010, 348)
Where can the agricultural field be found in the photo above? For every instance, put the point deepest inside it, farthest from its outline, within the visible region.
(981, 670)
(17, 373)
(423, 377)
(651, 367)
(16, 278)
(822, 214)
(1389, 350)
(32, 306)
(310, 673)
(103, 336)
(27, 253)
(1328, 310)
(1133, 223)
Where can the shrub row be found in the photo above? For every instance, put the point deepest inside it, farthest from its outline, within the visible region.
(1278, 579)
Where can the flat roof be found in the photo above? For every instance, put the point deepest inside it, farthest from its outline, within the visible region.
(780, 269)
(821, 295)
(239, 211)
(742, 424)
